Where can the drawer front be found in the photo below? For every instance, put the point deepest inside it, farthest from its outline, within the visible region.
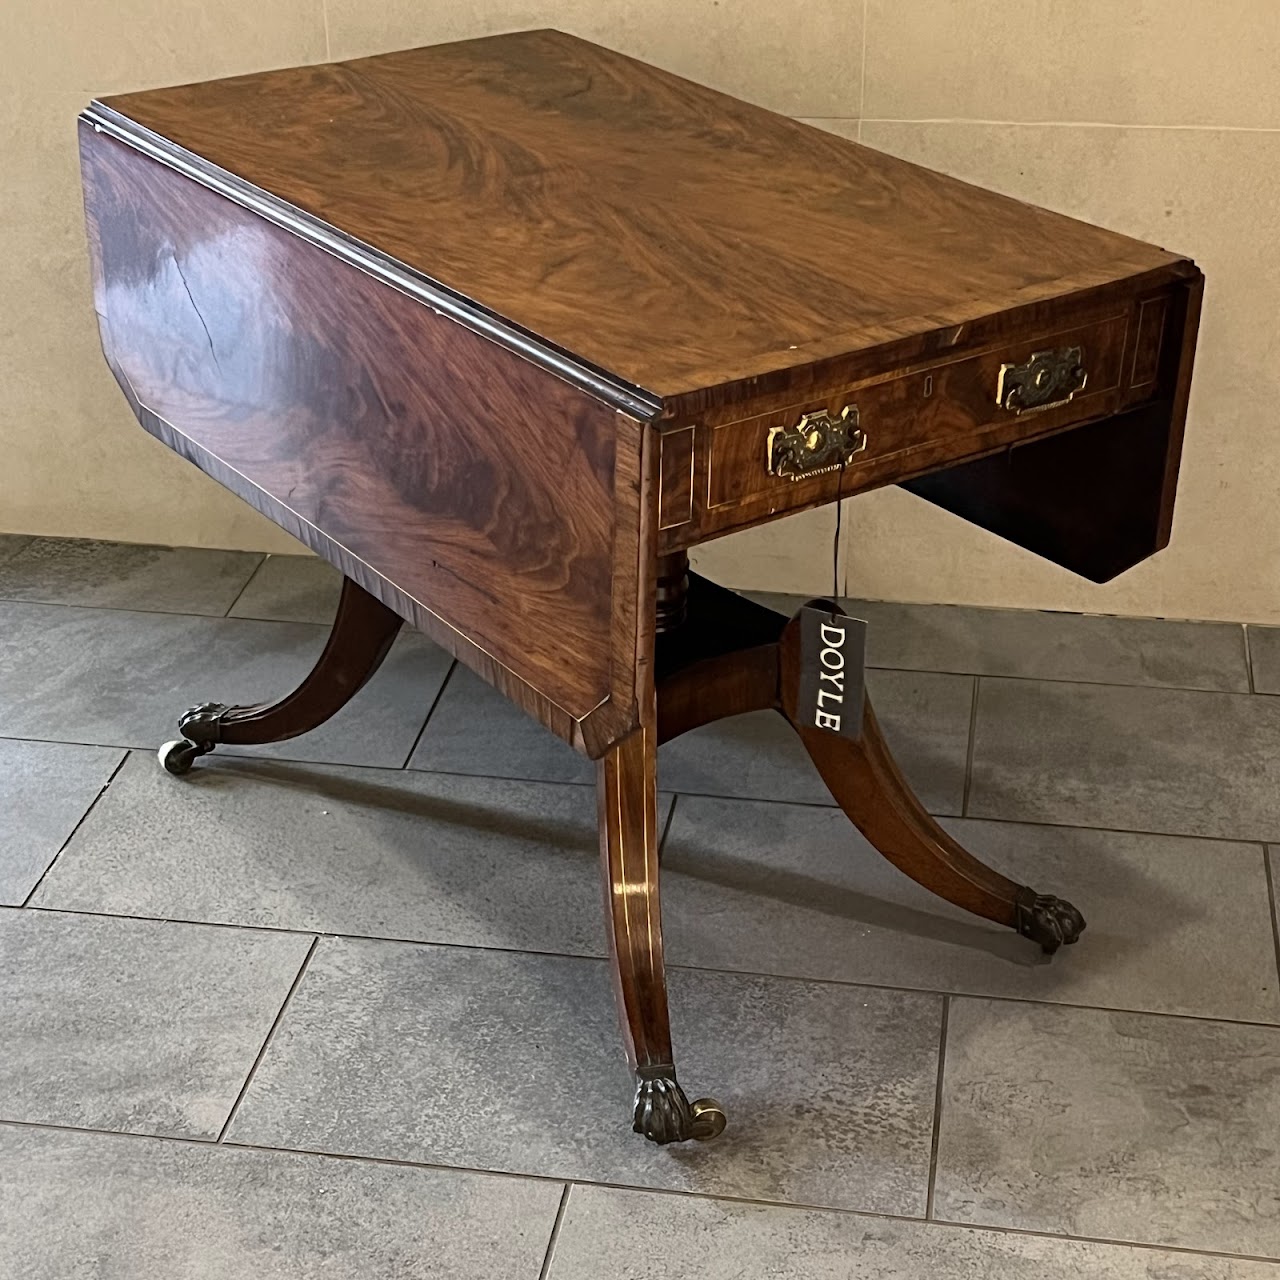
(876, 431)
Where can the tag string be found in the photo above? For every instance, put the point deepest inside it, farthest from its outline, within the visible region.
(835, 555)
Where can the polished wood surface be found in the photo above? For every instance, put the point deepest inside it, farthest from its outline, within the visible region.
(361, 637)
(502, 328)
(1098, 499)
(652, 227)
(490, 210)
(704, 675)
(493, 505)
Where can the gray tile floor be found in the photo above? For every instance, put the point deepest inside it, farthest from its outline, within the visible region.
(340, 1009)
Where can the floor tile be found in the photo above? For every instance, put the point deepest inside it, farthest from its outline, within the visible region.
(75, 1205)
(610, 1234)
(1204, 764)
(291, 589)
(474, 729)
(368, 852)
(123, 678)
(45, 789)
(1175, 925)
(118, 575)
(138, 1025)
(1114, 1125)
(499, 1060)
(925, 717)
(11, 544)
(1264, 650)
(1041, 645)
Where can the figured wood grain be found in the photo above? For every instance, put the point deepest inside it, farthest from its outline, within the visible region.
(604, 235)
(1097, 499)
(689, 243)
(915, 421)
(675, 500)
(490, 503)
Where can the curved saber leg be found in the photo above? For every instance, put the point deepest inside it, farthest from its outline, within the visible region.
(867, 784)
(628, 803)
(363, 630)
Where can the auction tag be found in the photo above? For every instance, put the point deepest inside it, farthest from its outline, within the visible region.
(832, 653)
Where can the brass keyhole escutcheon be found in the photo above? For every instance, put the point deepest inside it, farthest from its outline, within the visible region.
(1045, 381)
(818, 443)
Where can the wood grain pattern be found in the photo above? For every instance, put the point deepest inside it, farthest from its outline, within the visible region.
(605, 235)
(487, 501)
(675, 500)
(681, 239)
(1097, 499)
(499, 328)
(915, 420)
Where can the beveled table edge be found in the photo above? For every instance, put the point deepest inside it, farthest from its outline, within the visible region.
(634, 400)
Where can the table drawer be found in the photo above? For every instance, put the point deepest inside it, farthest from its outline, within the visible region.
(812, 451)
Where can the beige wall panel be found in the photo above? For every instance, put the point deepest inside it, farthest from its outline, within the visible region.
(804, 61)
(795, 554)
(100, 48)
(1173, 62)
(1213, 195)
(75, 461)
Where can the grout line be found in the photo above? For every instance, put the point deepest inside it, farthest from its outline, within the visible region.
(937, 1108)
(256, 569)
(229, 752)
(35, 888)
(198, 924)
(1248, 659)
(589, 958)
(1181, 1250)
(1087, 684)
(160, 613)
(1271, 895)
(569, 1183)
(990, 997)
(435, 702)
(328, 765)
(862, 90)
(941, 814)
(248, 1080)
(968, 757)
(555, 1232)
(1073, 826)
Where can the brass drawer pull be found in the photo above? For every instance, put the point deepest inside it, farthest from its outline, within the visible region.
(816, 444)
(1047, 380)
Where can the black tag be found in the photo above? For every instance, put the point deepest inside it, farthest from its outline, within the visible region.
(832, 652)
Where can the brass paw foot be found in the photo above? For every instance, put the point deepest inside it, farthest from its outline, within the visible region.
(201, 731)
(1050, 921)
(663, 1113)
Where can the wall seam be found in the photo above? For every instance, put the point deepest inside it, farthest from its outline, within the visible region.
(862, 87)
(1058, 124)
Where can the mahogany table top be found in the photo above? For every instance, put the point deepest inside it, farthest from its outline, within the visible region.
(502, 328)
(652, 229)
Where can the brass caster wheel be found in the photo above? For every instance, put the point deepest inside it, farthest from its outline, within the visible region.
(663, 1113)
(178, 756)
(1047, 920)
(709, 1119)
